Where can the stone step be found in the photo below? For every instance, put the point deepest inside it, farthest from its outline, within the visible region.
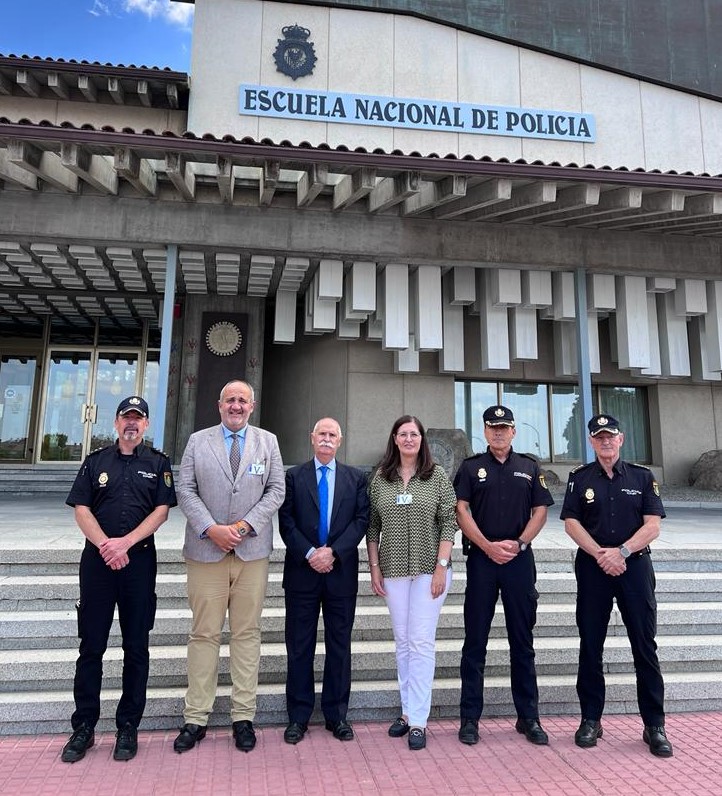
(31, 670)
(60, 592)
(58, 629)
(64, 560)
(49, 711)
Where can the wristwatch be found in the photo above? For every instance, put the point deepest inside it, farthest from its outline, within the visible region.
(443, 562)
(522, 545)
(625, 551)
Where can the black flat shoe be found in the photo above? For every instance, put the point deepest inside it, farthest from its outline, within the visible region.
(656, 739)
(469, 731)
(294, 732)
(399, 728)
(78, 744)
(533, 730)
(126, 743)
(340, 729)
(417, 738)
(189, 736)
(244, 735)
(587, 734)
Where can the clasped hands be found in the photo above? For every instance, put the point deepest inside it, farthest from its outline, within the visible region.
(321, 560)
(502, 551)
(114, 552)
(228, 536)
(611, 561)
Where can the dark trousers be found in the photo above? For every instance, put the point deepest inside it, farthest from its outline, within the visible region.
(634, 592)
(132, 589)
(516, 581)
(302, 612)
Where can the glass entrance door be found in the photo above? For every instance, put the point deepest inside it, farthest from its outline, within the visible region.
(83, 389)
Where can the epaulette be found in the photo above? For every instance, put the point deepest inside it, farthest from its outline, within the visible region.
(529, 456)
(474, 456)
(102, 448)
(580, 467)
(641, 466)
(159, 452)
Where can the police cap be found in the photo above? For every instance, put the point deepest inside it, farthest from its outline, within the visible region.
(498, 416)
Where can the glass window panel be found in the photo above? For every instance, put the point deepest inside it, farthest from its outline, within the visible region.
(150, 392)
(114, 381)
(528, 402)
(629, 406)
(483, 394)
(67, 392)
(17, 377)
(566, 439)
(460, 406)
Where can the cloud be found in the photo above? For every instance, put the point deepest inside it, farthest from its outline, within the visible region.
(175, 13)
(99, 9)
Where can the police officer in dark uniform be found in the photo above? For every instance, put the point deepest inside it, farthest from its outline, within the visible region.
(121, 497)
(612, 510)
(502, 506)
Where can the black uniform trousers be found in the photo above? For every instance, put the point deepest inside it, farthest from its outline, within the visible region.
(132, 589)
(302, 612)
(516, 581)
(634, 592)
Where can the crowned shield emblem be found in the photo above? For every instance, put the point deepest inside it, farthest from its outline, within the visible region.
(602, 421)
(499, 412)
(295, 55)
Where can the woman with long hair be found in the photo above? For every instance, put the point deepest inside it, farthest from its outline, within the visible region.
(410, 537)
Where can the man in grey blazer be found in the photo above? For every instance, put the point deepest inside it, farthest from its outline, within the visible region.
(231, 483)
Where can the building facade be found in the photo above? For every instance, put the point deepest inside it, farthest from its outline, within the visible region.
(364, 211)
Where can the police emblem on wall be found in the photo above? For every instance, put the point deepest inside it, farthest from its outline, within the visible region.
(295, 55)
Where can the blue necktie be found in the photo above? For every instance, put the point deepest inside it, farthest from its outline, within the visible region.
(323, 506)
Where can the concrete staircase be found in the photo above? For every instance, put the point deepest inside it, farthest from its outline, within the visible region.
(38, 644)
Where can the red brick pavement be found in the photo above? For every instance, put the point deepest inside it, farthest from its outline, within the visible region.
(502, 763)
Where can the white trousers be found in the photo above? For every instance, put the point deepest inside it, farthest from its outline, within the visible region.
(414, 616)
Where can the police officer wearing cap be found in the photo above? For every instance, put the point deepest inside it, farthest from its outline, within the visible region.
(502, 506)
(612, 510)
(121, 496)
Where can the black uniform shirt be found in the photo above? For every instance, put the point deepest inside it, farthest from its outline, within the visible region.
(501, 496)
(122, 490)
(611, 510)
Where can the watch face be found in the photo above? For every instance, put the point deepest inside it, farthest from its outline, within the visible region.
(223, 338)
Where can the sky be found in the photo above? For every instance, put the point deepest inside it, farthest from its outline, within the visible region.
(138, 32)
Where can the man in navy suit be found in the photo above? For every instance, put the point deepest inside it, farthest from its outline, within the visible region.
(322, 521)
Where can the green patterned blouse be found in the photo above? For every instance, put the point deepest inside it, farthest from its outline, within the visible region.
(409, 533)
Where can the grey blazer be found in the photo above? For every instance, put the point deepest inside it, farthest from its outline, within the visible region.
(208, 494)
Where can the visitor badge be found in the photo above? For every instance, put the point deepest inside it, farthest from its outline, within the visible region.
(404, 499)
(257, 468)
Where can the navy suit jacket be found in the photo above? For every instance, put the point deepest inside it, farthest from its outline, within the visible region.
(298, 523)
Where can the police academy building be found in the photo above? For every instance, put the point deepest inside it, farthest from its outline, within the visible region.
(367, 209)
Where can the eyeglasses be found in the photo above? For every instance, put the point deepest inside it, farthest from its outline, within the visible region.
(408, 435)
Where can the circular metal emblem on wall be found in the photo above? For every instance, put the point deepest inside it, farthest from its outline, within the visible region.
(295, 55)
(224, 338)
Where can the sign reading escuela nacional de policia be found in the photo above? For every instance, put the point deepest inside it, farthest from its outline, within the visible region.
(415, 114)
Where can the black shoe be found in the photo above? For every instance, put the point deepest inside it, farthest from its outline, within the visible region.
(190, 735)
(126, 743)
(587, 734)
(417, 738)
(244, 735)
(341, 729)
(533, 730)
(399, 728)
(469, 731)
(78, 744)
(657, 741)
(294, 732)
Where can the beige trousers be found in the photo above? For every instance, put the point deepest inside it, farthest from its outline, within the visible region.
(237, 588)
